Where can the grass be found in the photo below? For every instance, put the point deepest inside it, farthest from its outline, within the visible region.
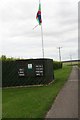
(0, 102)
(32, 102)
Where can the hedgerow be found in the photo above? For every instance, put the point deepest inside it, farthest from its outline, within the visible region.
(10, 74)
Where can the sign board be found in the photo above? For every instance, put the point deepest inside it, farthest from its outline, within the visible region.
(21, 72)
(29, 66)
(39, 70)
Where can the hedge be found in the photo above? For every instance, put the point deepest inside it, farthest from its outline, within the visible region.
(57, 65)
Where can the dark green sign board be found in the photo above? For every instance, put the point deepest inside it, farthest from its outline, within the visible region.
(27, 72)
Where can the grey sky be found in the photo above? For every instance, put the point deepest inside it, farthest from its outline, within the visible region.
(60, 28)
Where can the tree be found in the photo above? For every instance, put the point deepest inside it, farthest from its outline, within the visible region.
(3, 57)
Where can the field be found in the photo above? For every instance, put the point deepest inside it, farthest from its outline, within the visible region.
(79, 64)
(32, 102)
(70, 63)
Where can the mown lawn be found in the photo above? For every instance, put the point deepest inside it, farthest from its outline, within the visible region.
(32, 102)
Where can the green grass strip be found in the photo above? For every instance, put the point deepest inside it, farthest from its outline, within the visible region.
(32, 102)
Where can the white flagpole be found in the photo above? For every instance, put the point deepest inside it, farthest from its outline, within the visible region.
(42, 41)
(42, 38)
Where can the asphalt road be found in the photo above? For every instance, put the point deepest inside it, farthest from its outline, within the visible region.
(66, 103)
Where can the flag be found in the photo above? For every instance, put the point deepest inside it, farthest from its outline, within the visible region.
(38, 16)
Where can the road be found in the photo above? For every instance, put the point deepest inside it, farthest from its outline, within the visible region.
(66, 103)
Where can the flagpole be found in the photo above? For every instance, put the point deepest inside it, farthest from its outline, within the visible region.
(42, 41)
(42, 37)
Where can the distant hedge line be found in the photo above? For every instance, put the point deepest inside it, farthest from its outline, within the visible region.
(10, 74)
(57, 65)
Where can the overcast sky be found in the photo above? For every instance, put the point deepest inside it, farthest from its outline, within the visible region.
(59, 22)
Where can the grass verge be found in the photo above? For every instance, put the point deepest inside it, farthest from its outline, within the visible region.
(32, 102)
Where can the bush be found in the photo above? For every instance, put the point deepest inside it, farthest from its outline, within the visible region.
(57, 65)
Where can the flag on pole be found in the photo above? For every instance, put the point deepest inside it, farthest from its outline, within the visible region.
(38, 16)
